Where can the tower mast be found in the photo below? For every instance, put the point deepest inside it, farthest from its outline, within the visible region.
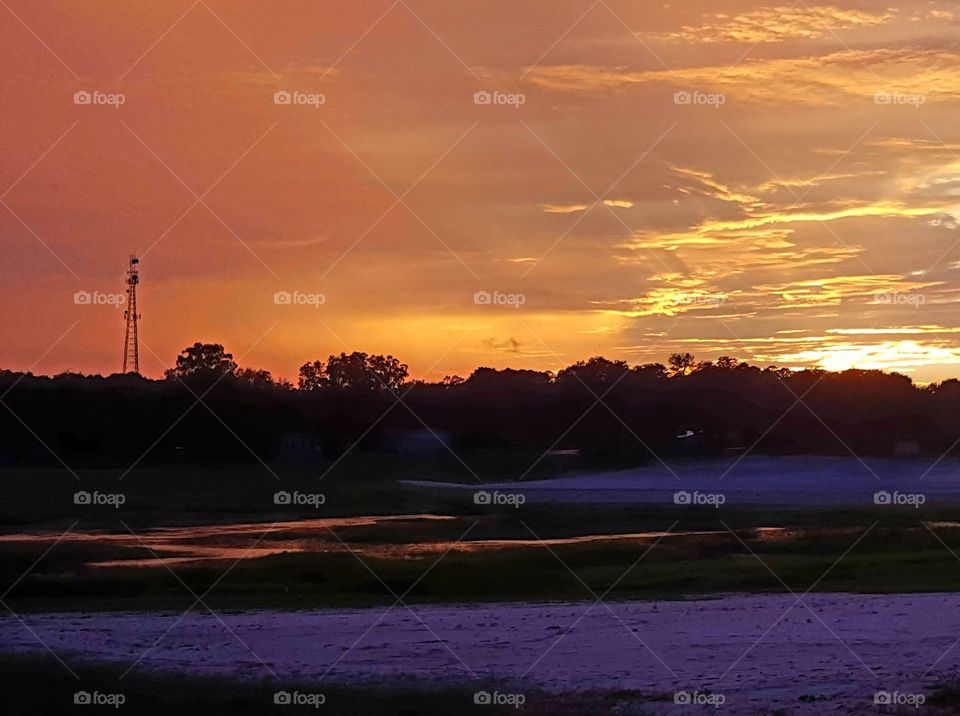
(131, 344)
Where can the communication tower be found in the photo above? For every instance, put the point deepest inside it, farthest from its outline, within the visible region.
(131, 345)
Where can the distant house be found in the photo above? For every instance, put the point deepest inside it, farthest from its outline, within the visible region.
(689, 437)
(420, 442)
(299, 449)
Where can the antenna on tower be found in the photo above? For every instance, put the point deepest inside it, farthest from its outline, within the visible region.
(131, 343)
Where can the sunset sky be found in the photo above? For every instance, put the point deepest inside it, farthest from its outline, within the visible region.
(774, 181)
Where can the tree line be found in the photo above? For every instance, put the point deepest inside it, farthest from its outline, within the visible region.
(618, 412)
(379, 372)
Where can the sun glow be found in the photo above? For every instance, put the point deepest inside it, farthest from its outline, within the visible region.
(900, 356)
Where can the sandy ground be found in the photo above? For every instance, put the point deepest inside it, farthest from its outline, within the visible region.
(831, 658)
(786, 481)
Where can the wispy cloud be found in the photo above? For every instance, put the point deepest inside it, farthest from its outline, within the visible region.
(776, 24)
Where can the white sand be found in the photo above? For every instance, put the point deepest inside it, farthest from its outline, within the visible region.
(899, 637)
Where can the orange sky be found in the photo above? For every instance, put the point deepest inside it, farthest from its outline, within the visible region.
(796, 203)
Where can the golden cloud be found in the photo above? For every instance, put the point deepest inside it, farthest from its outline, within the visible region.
(775, 24)
(825, 80)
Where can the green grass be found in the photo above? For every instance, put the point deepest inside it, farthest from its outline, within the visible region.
(898, 555)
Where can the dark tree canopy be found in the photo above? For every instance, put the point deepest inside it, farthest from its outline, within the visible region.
(209, 359)
(354, 370)
(729, 404)
(255, 376)
(313, 376)
(593, 371)
(682, 363)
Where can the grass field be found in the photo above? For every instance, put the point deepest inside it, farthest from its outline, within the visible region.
(447, 551)
(888, 551)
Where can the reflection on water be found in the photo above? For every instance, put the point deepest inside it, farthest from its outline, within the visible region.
(234, 542)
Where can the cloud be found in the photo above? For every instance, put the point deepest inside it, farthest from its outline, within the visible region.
(775, 24)
(575, 208)
(564, 208)
(755, 227)
(903, 331)
(704, 183)
(666, 302)
(838, 78)
(901, 356)
(833, 290)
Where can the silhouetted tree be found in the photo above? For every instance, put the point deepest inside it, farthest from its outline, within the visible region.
(313, 376)
(593, 371)
(208, 359)
(656, 370)
(682, 363)
(358, 370)
(510, 379)
(389, 370)
(111, 420)
(255, 376)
